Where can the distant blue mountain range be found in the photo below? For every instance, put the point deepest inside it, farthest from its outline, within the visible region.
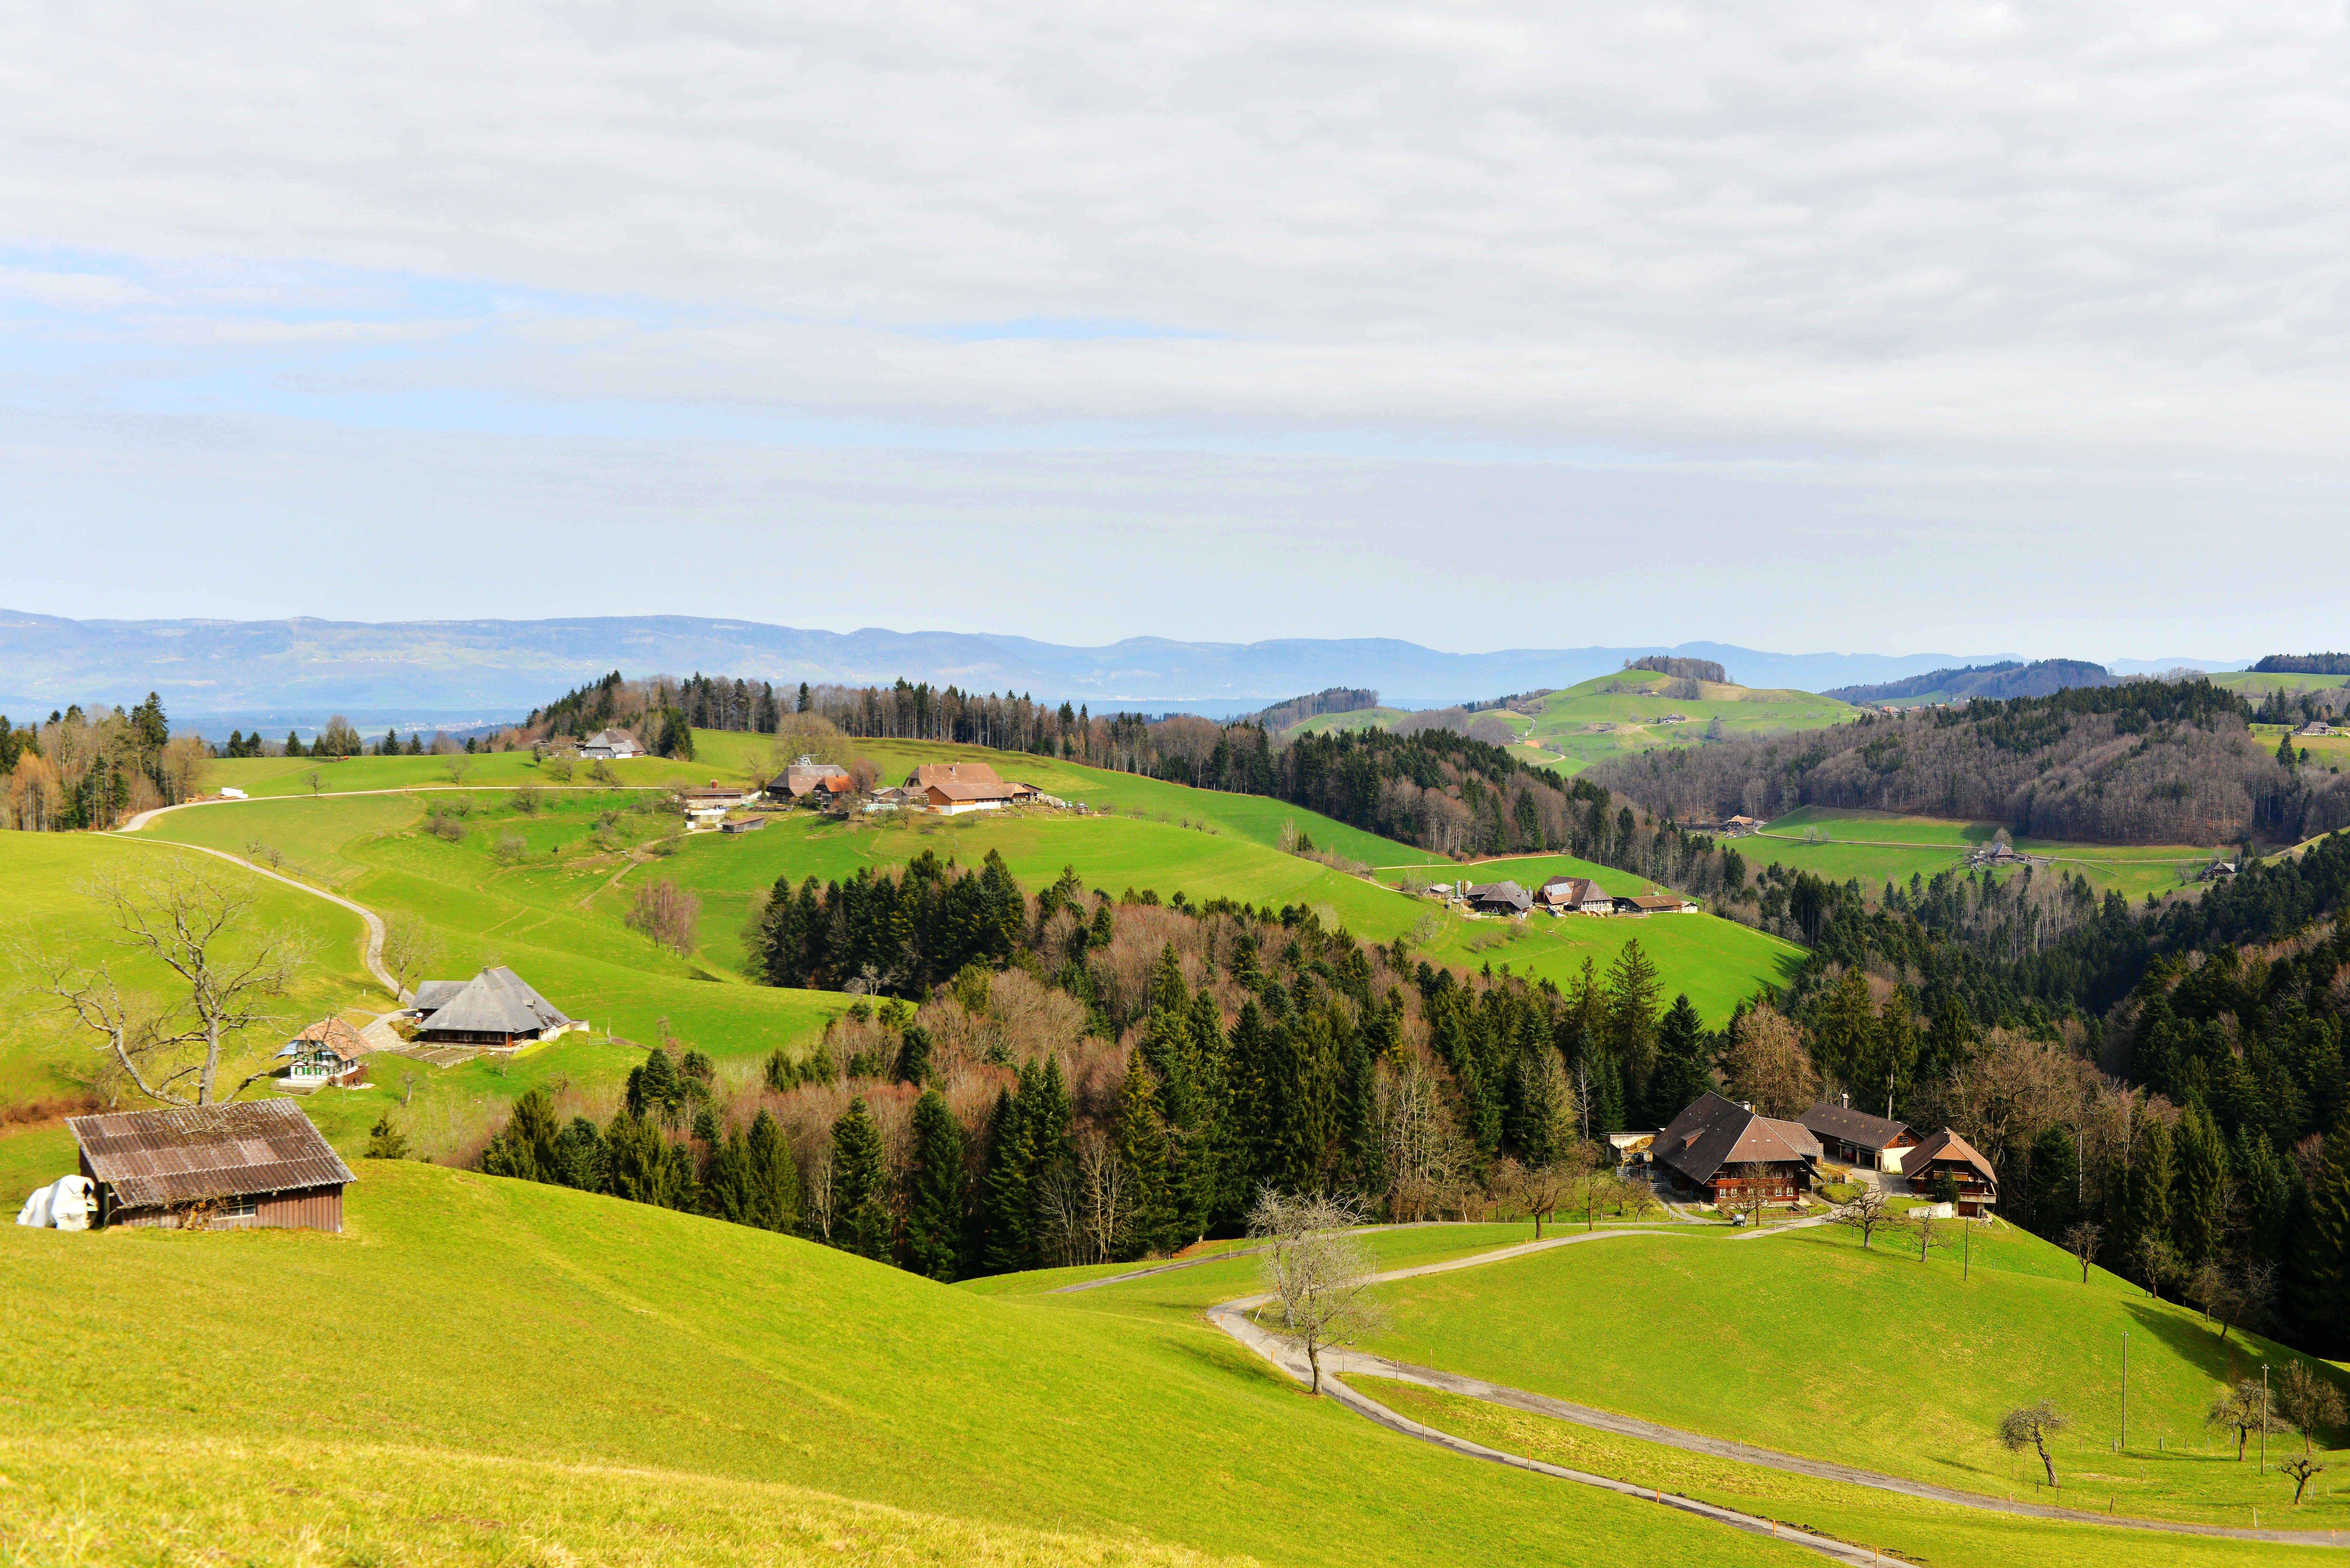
(451, 671)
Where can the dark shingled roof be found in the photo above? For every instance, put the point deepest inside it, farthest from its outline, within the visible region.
(191, 1153)
(494, 1002)
(1828, 1119)
(1714, 1132)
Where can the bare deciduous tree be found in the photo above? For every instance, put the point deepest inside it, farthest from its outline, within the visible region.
(2307, 1400)
(2031, 1425)
(1318, 1278)
(1766, 1065)
(2081, 1240)
(1538, 1190)
(2244, 1411)
(1868, 1212)
(410, 947)
(1420, 1152)
(2154, 1262)
(2301, 1468)
(666, 913)
(197, 924)
(458, 764)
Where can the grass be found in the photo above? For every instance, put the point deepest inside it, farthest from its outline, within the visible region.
(1568, 725)
(1876, 847)
(1808, 1344)
(479, 1367)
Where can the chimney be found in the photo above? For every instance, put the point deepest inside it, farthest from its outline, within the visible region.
(1746, 1106)
(1847, 1099)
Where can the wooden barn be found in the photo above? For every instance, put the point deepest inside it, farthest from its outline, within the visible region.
(243, 1164)
(1856, 1138)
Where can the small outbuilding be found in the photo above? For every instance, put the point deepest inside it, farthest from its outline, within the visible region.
(742, 824)
(1856, 1137)
(242, 1165)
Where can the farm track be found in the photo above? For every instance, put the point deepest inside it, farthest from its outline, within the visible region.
(371, 954)
(1234, 1318)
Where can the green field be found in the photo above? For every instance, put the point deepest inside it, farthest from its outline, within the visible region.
(1339, 723)
(2258, 684)
(1570, 723)
(1806, 1344)
(495, 1372)
(1876, 847)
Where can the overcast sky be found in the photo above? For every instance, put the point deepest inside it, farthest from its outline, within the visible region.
(1833, 325)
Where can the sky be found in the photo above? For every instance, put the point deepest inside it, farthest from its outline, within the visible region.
(1834, 326)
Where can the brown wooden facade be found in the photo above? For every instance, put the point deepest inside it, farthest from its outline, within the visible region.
(305, 1209)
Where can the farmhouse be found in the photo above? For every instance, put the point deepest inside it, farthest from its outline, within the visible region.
(1564, 895)
(1856, 1137)
(1946, 1153)
(1500, 898)
(1719, 1149)
(612, 745)
(329, 1052)
(494, 1009)
(1656, 904)
(2316, 727)
(952, 798)
(247, 1164)
(807, 777)
(706, 808)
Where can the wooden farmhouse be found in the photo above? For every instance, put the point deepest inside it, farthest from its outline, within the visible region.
(1656, 904)
(245, 1164)
(610, 745)
(808, 777)
(329, 1052)
(1946, 1153)
(1718, 1151)
(495, 1009)
(1856, 1138)
(1576, 895)
(1500, 898)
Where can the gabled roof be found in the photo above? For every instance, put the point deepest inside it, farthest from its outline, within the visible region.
(951, 789)
(1828, 1119)
(334, 1034)
(1714, 1132)
(1946, 1145)
(187, 1154)
(1502, 893)
(1659, 902)
(431, 993)
(611, 738)
(494, 1002)
(927, 774)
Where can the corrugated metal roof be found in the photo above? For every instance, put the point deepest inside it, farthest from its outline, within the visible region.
(187, 1154)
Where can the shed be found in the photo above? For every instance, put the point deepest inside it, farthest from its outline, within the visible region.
(329, 1052)
(742, 824)
(243, 1164)
(1856, 1137)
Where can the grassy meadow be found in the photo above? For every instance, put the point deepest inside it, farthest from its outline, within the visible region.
(1609, 714)
(567, 1377)
(1807, 1343)
(1877, 847)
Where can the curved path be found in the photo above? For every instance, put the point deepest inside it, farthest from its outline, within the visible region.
(371, 954)
(1234, 1318)
(144, 818)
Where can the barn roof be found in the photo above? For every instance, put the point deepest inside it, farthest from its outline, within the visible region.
(494, 1002)
(1714, 1132)
(187, 1154)
(1946, 1145)
(966, 789)
(1828, 1119)
(334, 1034)
(927, 774)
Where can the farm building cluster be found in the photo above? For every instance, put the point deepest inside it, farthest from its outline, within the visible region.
(1721, 1151)
(1559, 896)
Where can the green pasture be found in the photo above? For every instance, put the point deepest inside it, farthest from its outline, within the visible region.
(1918, 1530)
(266, 776)
(1806, 1344)
(1877, 847)
(595, 1351)
(1633, 703)
(2257, 684)
(1339, 723)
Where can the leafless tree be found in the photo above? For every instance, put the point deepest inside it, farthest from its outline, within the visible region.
(2153, 1263)
(198, 925)
(1766, 1065)
(816, 1184)
(1318, 1278)
(458, 764)
(317, 781)
(2244, 1411)
(1538, 1190)
(1634, 1197)
(2244, 1302)
(2031, 1425)
(2307, 1400)
(1868, 1212)
(410, 947)
(2081, 1240)
(1753, 1194)
(2301, 1468)
(666, 913)
(1419, 1149)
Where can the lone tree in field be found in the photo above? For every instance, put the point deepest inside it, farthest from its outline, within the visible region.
(2301, 1468)
(1868, 1212)
(2081, 1241)
(2031, 1425)
(409, 949)
(1538, 1190)
(2244, 1411)
(2307, 1401)
(198, 925)
(1317, 1278)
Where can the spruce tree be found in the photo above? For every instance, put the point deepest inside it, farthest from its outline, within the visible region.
(1007, 1237)
(860, 1182)
(2199, 1216)
(934, 1192)
(1633, 987)
(1141, 1139)
(1684, 1060)
(2147, 1201)
(525, 1148)
(774, 1179)
(2321, 1248)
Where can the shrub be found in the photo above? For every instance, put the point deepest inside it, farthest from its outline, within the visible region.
(440, 824)
(509, 849)
(528, 799)
(666, 913)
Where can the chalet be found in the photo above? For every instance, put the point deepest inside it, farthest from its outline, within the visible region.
(1718, 1151)
(2220, 871)
(495, 1009)
(1856, 1138)
(247, 1164)
(329, 1052)
(1576, 895)
(1500, 898)
(1656, 904)
(1947, 1153)
(610, 745)
(807, 777)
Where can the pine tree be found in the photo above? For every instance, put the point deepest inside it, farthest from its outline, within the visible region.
(1683, 1064)
(1007, 1237)
(2321, 1248)
(1633, 987)
(1844, 1034)
(1948, 1041)
(934, 1192)
(525, 1148)
(646, 1168)
(2146, 1193)
(2199, 1198)
(774, 1179)
(860, 1182)
(1141, 1140)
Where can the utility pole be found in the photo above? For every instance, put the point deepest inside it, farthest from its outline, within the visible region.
(2124, 1389)
(2264, 1417)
